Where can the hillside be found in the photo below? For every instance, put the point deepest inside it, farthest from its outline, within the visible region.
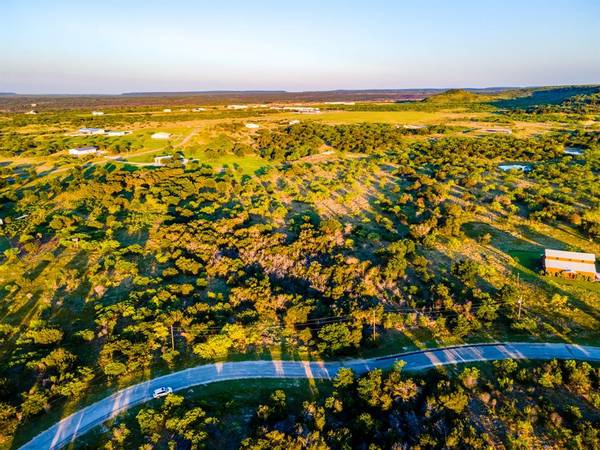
(457, 96)
(525, 98)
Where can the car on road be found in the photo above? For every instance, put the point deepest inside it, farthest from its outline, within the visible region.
(162, 391)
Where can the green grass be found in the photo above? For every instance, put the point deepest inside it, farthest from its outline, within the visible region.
(147, 157)
(530, 259)
(248, 164)
(401, 117)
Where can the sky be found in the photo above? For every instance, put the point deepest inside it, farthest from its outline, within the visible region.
(110, 46)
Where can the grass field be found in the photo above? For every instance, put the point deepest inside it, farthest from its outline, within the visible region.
(400, 117)
(248, 164)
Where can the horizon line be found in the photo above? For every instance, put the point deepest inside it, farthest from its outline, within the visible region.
(284, 91)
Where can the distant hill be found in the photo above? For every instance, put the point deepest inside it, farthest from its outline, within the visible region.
(528, 97)
(512, 98)
(457, 96)
(502, 97)
(290, 96)
(7, 94)
(189, 93)
(149, 99)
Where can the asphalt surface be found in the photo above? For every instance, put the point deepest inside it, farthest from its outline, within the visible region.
(73, 426)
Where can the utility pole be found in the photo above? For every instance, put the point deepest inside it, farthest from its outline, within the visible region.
(172, 339)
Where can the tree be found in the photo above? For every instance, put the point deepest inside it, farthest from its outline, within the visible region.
(33, 403)
(151, 423)
(8, 422)
(579, 376)
(344, 378)
(370, 390)
(337, 337)
(466, 271)
(469, 377)
(46, 336)
(192, 426)
(114, 369)
(214, 347)
(119, 436)
(455, 401)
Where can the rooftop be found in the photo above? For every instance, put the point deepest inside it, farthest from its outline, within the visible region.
(589, 257)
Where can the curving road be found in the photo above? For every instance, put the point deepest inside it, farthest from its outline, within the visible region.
(73, 426)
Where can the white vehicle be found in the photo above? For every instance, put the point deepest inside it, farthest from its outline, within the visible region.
(162, 391)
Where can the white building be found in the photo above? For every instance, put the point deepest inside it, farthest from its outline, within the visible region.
(252, 126)
(32, 112)
(91, 131)
(167, 110)
(97, 113)
(117, 133)
(161, 135)
(570, 264)
(293, 122)
(237, 106)
(82, 151)
(302, 109)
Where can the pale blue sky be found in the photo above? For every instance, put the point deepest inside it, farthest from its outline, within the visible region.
(110, 46)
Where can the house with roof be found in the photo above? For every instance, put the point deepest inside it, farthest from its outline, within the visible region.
(91, 131)
(161, 135)
(570, 264)
(117, 133)
(302, 109)
(82, 151)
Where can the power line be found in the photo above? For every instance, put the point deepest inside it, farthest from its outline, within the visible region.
(318, 322)
(439, 312)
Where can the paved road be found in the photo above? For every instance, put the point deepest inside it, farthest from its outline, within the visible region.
(78, 423)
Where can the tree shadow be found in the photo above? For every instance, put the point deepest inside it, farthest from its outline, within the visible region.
(32, 274)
